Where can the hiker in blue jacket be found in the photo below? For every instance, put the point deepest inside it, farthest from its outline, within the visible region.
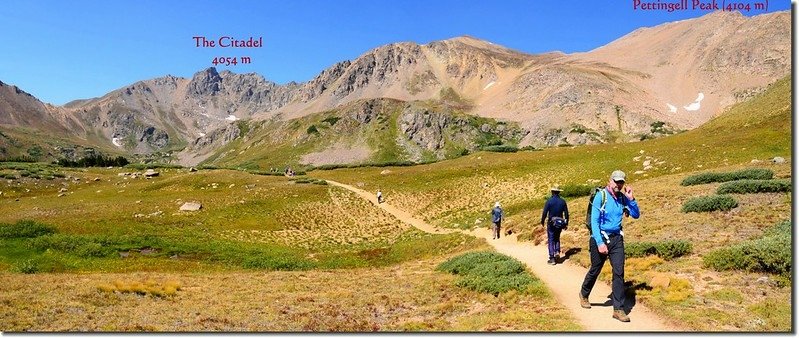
(497, 216)
(607, 239)
(555, 218)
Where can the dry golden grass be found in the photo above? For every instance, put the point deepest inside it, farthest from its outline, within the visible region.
(410, 296)
(149, 287)
(691, 297)
(343, 219)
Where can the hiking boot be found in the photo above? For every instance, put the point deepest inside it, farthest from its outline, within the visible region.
(584, 302)
(551, 261)
(620, 315)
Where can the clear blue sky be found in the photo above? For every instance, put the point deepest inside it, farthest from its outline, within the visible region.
(65, 50)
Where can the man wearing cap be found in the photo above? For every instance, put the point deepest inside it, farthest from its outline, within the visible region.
(496, 218)
(555, 218)
(607, 239)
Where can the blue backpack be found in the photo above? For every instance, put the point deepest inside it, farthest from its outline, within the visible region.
(604, 193)
(591, 205)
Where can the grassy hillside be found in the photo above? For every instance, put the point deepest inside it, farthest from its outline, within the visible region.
(108, 222)
(454, 193)
(359, 133)
(110, 237)
(23, 143)
(460, 193)
(247, 221)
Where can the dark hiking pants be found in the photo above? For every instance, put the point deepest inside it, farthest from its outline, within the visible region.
(616, 255)
(497, 227)
(553, 240)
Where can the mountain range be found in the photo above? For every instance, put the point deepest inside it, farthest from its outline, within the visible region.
(411, 102)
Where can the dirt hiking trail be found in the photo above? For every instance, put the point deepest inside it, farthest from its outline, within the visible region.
(564, 280)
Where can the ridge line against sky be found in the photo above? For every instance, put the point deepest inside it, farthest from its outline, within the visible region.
(64, 51)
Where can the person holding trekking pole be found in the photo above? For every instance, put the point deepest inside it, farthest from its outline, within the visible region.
(608, 207)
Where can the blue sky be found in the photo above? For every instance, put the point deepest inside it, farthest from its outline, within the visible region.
(65, 50)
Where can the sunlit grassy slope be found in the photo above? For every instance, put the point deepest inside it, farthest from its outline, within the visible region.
(370, 128)
(456, 192)
(460, 193)
(42, 146)
(247, 221)
(410, 296)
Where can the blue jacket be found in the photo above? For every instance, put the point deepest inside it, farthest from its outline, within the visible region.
(555, 207)
(496, 215)
(609, 221)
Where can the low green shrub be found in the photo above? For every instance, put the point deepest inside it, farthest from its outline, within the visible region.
(86, 246)
(672, 249)
(575, 190)
(266, 173)
(59, 242)
(19, 159)
(639, 249)
(754, 186)
(752, 174)
(95, 160)
(28, 266)
(503, 148)
(40, 264)
(488, 272)
(667, 250)
(529, 148)
(25, 229)
(276, 262)
(144, 166)
(331, 120)
(770, 253)
(783, 228)
(364, 165)
(93, 249)
(494, 285)
(709, 203)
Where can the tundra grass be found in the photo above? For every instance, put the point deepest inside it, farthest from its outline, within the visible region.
(105, 221)
(441, 192)
(411, 296)
(460, 193)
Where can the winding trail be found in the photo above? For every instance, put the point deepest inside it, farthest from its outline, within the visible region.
(564, 280)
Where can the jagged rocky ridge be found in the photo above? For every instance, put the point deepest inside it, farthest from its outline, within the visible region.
(615, 93)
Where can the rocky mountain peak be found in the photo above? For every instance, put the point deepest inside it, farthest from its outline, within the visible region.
(205, 82)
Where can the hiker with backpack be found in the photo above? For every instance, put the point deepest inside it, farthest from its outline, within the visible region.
(607, 207)
(379, 196)
(555, 218)
(497, 216)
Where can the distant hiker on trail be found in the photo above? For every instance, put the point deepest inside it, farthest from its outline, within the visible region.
(379, 196)
(607, 210)
(555, 218)
(497, 215)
